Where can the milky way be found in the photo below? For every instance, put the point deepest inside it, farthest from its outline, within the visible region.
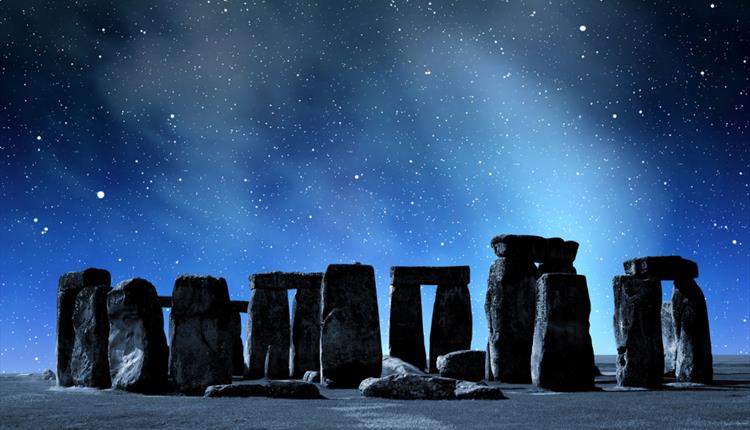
(231, 137)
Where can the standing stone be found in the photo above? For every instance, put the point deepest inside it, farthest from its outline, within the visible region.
(637, 326)
(350, 348)
(268, 333)
(305, 352)
(693, 359)
(138, 352)
(89, 363)
(68, 287)
(238, 358)
(668, 338)
(200, 334)
(562, 357)
(405, 333)
(451, 322)
(510, 308)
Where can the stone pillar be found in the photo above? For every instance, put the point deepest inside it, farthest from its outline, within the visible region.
(405, 330)
(637, 326)
(138, 352)
(668, 338)
(238, 358)
(510, 308)
(350, 348)
(693, 359)
(200, 335)
(89, 363)
(267, 333)
(451, 322)
(305, 352)
(562, 357)
(68, 287)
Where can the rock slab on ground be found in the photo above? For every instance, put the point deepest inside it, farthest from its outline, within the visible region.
(477, 391)
(350, 345)
(274, 389)
(467, 365)
(396, 366)
(409, 387)
(138, 351)
(89, 362)
(200, 334)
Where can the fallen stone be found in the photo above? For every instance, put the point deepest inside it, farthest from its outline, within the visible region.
(200, 334)
(350, 348)
(138, 351)
(467, 365)
(451, 322)
(693, 359)
(236, 390)
(409, 387)
(405, 335)
(477, 391)
(525, 247)
(268, 334)
(68, 287)
(273, 389)
(305, 350)
(312, 376)
(562, 358)
(637, 327)
(510, 307)
(48, 375)
(668, 338)
(662, 268)
(89, 364)
(396, 366)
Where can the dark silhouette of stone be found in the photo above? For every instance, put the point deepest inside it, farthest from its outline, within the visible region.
(405, 335)
(668, 338)
(430, 275)
(662, 268)
(239, 306)
(286, 280)
(467, 365)
(693, 359)
(451, 322)
(305, 352)
(138, 351)
(477, 391)
(89, 363)
(559, 256)
(525, 247)
(409, 387)
(238, 358)
(68, 287)
(312, 376)
(48, 375)
(273, 389)
(394, 365)
(637, 326)
(200, 334)
(510, 307)
(165, 301)
(268, 334)
(562, 358)
(350, 348)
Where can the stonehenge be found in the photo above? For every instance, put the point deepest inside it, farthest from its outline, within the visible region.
(451, 316)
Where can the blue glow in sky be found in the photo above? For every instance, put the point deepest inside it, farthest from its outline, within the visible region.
(232, 137)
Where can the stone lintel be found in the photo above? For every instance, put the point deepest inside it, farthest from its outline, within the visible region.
(663, 268)
(430, 275)
(285, 280)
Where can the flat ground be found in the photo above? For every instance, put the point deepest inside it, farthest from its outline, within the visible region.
(27, 401)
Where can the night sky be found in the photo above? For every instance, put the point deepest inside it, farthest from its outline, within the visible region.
(231, 137)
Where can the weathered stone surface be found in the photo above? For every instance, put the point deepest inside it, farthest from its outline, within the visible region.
(693, 359)
(561, 251)
(200, 334)
(562, 358)
(239, 306)
(274, 389)
(525, 247)
(637, 326)
(557, 267)
(312, 376)
(466, 364)
(510, 306)
(268, 334)
(138, 351)
(430, 275)
(350, 348)
(405, 335)
(451, 322)
(48, 375)
(396, 366)
(285, 280)
(68, 287)
(165, 301)
(409, 387)
(238, 356)
(662, 268)
(305, 352)
(89, 364)
(477, 391)
(668, 338)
